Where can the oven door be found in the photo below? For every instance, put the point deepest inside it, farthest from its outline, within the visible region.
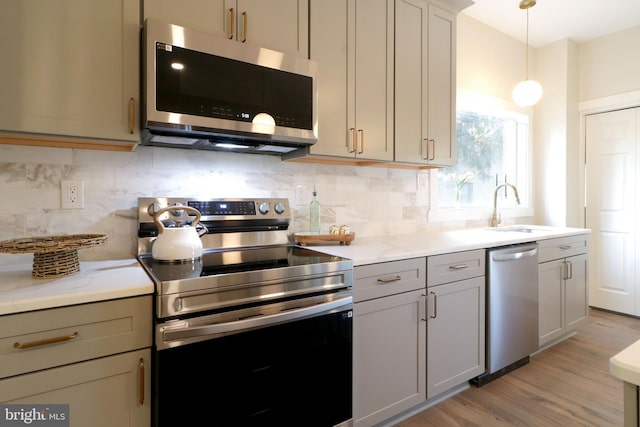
(285, 364)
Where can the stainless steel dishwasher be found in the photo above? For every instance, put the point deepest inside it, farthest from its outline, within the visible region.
(512, 309)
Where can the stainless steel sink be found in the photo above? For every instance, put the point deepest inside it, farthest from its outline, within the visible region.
(518, 229)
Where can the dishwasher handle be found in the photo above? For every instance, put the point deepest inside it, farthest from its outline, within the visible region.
(514, 255)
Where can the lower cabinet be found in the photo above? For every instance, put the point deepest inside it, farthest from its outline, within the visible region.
(106, 392)
(389, 340)
(455, 334)
(563, 271)
(455, 319)
(93, 357)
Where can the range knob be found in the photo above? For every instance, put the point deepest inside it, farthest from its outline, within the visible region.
(263, 208)
(279, 208)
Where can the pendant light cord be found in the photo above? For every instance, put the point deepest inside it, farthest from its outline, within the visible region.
(526, 54)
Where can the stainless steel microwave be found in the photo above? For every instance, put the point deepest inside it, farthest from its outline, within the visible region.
(206, 92)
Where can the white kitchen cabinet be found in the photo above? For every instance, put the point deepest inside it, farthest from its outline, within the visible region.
(425, 92)
(94, 357)
(70, 74)
(281, 25)
(563, 286)
(389, 339)
(455, 319)
(352, 40)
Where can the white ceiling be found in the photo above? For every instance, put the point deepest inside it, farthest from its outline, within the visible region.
(553, 20)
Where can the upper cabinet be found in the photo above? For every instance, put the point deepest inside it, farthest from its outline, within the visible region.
(352, 41)
(386, 80)
(70, 74)
(281, 25)
(425, 84)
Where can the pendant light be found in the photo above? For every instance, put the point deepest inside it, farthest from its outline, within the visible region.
(527, 92)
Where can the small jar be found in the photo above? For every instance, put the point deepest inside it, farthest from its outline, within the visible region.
(334, 229)
(344, 229)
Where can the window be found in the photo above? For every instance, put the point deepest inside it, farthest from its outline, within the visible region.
(492, 143)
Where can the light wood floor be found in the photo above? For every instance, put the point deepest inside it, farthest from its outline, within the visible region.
(566, 385)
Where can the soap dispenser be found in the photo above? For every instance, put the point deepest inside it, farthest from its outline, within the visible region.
(314, 213)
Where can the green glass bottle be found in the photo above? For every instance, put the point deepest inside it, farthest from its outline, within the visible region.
(314, 214)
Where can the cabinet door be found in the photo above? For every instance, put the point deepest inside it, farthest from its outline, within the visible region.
(71, 68)
(411, 81)
(328, 45)
(576, 292)
(441, 90)
(389, 356)
(211, 16)
(107, 392)
(281, 25)
(551, 301)
(455, 334)
(370, 77)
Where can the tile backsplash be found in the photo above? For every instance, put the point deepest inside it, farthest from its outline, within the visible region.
(371, 200)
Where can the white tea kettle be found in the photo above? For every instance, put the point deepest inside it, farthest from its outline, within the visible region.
(177, 244)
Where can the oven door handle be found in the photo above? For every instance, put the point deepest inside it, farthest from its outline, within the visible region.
(255, 322)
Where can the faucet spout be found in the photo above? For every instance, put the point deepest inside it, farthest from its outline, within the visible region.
(495, 218)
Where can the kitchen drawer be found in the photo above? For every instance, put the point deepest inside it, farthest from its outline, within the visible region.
(562, 247)
(455, 266)
(388, 278)
(59, 336)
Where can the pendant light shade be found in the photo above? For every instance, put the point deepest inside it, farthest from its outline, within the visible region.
(528, 92)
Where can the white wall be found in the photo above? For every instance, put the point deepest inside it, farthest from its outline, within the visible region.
(610, 65)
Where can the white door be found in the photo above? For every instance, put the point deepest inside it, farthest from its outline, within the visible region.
(611, 208)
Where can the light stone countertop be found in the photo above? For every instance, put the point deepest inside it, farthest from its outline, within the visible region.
(97, 281)
(626, 364)
(105, 280)
(370, 250)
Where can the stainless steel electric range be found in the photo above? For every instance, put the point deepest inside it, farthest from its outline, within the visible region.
(255, 332)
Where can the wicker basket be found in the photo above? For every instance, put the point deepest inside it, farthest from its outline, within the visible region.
(53, 256)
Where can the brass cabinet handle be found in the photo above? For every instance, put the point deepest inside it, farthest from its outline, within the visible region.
(361, 132)
(458, 267)
(565, 247)
(232, 23)
(245, 31)
(433, 149)
(141, 381)
(352, 149)
(424, 149)
(389, 279)
(45, 341)
(132, 115)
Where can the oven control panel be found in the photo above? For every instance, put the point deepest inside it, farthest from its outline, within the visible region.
(214, 209)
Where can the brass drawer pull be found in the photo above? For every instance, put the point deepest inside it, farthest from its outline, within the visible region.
(46, 342)
(565, 247)
(458, 267)
(389, 279)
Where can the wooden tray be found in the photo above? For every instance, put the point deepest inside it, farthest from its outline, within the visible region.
(305, 238)
(53, 256)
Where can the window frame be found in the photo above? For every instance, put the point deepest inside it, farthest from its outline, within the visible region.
(487, 105)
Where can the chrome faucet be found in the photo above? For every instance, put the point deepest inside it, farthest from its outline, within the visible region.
(495, 218)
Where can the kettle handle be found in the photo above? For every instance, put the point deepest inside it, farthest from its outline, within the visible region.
(156, 217)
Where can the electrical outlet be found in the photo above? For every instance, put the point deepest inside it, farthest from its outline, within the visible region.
(72, 194)
(301, 195)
